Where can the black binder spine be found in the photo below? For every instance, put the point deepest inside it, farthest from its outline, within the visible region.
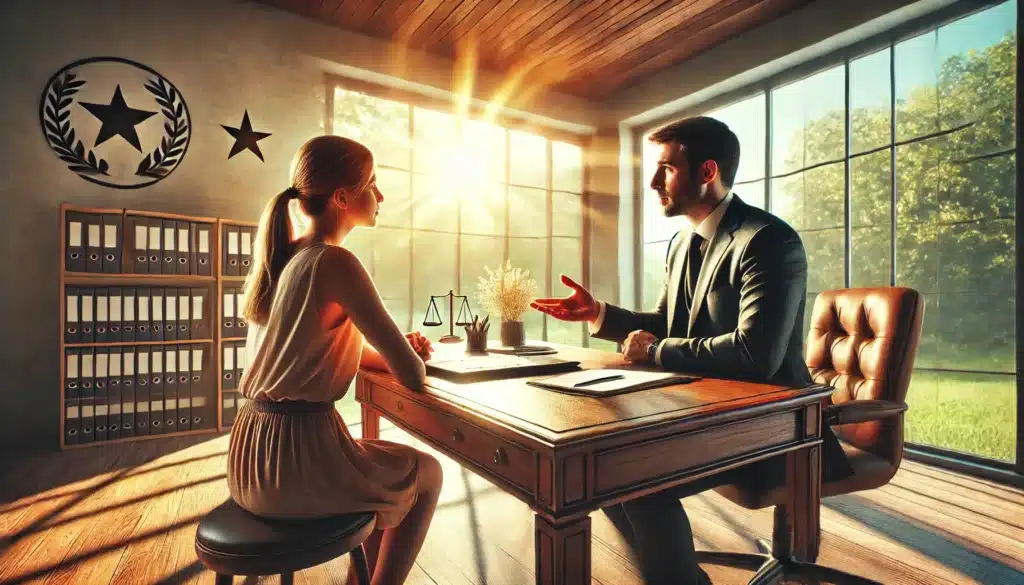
(183, 248)
(74, 238)
(114, 391)
(113, 232)
(128, 316)
(128, 392)
(72, 310)
(94, 243)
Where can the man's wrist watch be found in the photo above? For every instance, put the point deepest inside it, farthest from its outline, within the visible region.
(652, 350)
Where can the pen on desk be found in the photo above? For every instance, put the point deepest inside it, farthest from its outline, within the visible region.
(596, 380)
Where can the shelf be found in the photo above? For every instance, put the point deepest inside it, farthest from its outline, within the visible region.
(140, 438)
(233, 278)
(233, 338)
(86, 278)
(127, 343)
(133, 212)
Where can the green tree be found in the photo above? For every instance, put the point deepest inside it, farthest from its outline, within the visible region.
(955, 206)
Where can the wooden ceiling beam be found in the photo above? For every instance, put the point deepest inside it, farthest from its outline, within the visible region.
(424, 13)
(638, 34)
(428, 38)
(550, 13)
(618, 16)
(588, 48)
(577, 14)
(699, 37)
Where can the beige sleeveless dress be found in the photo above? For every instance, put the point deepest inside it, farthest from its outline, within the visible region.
(306, 465)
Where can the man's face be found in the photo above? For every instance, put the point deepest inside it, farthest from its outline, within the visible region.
(677, 191)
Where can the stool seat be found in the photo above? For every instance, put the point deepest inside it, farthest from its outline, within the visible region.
(233, 541)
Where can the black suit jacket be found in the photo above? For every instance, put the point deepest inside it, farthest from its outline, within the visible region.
(747, 315)
(746, 321)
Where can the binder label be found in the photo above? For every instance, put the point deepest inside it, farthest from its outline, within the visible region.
(72, 312)
(75, 234)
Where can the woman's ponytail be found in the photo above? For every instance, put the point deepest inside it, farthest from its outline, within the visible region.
(271, 254)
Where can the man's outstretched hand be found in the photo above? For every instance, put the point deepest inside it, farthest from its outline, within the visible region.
(579, 306)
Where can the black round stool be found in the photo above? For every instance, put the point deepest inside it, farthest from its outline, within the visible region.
(230, 541)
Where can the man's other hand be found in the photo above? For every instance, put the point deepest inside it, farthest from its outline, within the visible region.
(634, 348)
(579, 306)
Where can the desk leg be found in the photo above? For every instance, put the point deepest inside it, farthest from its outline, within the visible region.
(371, 423)
(562, 551)
(797, 531)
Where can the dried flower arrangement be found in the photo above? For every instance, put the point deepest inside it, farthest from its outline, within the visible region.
(506, 291)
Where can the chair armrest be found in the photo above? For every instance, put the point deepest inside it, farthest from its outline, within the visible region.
(856, 411)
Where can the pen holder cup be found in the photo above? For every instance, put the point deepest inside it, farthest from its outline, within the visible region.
(476, 341)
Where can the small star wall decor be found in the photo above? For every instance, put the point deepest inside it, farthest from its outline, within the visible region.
(245, 137)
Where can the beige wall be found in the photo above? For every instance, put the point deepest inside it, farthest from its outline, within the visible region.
(225, 56)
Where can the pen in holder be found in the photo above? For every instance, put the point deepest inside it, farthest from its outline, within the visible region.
(476, 335)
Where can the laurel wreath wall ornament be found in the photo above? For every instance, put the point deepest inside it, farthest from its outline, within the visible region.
(134, 110)
(162, 160)
(61, 135)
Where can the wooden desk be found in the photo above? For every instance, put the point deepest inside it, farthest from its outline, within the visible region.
(567, 456)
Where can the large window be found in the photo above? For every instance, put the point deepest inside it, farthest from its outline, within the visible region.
(898, 167)
(462, 194)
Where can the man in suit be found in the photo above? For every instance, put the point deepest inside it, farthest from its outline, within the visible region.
(731, 307)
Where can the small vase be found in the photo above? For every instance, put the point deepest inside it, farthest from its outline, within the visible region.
(513, 334)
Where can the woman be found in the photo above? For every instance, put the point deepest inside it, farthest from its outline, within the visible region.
(310, 304)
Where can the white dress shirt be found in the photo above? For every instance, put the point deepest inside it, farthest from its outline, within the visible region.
(707, 230)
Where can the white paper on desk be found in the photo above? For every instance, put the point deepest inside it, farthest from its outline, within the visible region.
(629, 379)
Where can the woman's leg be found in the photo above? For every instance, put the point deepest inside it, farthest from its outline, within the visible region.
(400, 545)
(371, 546)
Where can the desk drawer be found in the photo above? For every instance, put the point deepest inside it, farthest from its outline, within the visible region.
(499, 456)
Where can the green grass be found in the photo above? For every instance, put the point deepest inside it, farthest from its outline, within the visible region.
(970, 413)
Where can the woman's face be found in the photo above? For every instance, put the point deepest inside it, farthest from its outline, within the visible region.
(365, 207)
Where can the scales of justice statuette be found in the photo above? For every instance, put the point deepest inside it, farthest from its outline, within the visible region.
(433, 317)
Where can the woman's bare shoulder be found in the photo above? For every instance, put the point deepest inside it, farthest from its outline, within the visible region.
(341, 266)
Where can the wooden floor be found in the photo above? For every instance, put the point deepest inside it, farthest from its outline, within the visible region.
(127, 514)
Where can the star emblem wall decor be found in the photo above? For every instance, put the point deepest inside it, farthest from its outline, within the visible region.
(99, 114)
(245, 137)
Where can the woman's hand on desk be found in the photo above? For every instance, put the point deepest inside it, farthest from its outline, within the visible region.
(420, 344)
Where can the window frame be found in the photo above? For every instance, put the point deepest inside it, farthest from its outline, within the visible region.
(510, 122)
(1012, 472)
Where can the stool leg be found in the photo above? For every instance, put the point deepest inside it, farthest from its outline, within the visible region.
(358, 557)
(287, 578)
(224, 579)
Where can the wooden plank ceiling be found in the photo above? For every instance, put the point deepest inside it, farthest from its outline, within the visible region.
(587, 48)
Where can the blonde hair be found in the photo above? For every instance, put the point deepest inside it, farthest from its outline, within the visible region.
(321, 166)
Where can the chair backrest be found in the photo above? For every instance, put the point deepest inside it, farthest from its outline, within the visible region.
(863, 342)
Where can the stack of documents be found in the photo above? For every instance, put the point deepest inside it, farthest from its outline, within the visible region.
(609, 382)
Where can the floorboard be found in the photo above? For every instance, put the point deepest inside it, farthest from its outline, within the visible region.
(127, 513)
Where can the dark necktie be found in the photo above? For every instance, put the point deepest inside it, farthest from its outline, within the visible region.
(695, 259)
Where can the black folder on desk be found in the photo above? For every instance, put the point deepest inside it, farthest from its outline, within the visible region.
(610, 382)
(479, 368)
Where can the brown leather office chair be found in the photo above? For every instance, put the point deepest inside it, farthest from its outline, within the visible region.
(863, 342)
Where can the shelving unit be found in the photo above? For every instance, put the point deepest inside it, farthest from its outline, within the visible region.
(234, 342)
(102, 396)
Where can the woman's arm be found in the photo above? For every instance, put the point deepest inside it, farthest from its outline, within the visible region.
(372, 359)
(342, 279)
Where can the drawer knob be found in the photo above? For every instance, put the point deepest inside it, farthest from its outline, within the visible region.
(399, 406)
(457, 436)
(500, 457)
